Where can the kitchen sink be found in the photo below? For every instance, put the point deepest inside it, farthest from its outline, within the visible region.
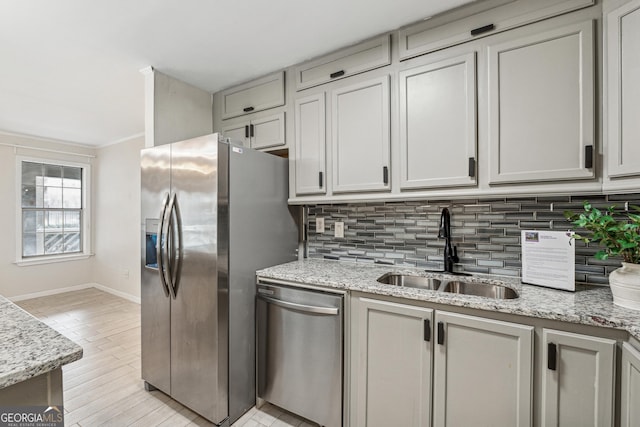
(454, 286)
(410, 281)
(480, 289)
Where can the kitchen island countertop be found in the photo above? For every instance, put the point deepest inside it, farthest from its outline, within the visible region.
(589, 305)
(30, 347)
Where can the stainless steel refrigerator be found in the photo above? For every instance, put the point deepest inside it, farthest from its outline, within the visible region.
(213, 213)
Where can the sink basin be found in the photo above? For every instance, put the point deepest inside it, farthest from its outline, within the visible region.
(410, 281)
(480, 289)
(454, 286)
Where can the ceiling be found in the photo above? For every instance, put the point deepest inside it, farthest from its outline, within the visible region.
(70, 68)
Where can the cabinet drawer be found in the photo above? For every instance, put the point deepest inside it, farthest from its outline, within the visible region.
(253, 96)
(366, 56)
(487, 17)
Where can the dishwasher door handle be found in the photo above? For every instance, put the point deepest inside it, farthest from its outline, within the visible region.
(331, 311)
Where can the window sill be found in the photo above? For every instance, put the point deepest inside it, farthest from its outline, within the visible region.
(52, 259)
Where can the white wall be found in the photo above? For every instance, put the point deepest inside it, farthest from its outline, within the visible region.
(174, 110)
(117, 217)
(44, 278)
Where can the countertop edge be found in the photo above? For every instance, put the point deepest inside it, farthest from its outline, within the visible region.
(463, 301)
(14, 377)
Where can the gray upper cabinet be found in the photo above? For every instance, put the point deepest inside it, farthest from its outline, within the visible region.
(267, 132)
(361, 136)
(238, 133)
(578, 382)
(258, 133)
(630, 387)
(623, 90)
(438, 122)
(477, 20)
(483, 372)
(310, 144)
(541, 103)
(256, 95)
(356, 59)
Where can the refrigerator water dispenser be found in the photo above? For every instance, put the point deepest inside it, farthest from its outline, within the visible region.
(151, 243)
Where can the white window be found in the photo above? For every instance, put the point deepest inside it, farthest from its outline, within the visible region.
(53, 215)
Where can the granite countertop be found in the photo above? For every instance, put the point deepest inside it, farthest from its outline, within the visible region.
(29, 347)
(592, 305)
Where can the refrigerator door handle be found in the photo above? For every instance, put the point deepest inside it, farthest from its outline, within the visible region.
(160, 244)
(330, 311)
(176, 239)
(168, 245)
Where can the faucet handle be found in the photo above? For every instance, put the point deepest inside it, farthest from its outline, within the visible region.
(454, 257)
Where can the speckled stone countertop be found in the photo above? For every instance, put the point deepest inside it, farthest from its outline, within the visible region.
(589, 306)
(29, 347)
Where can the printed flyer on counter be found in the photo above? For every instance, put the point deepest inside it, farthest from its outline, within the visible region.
(548, 259)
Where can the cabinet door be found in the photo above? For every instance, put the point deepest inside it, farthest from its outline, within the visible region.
(267, 132)
(360, 137)
(438, 123)
(482, 372)
(391, 364)
(239, 133)
(623, 62)
(345, 62)
(310, 144)
(578, 380)
(541, 113)
(630, 387)
(253, 96)
(477, 19)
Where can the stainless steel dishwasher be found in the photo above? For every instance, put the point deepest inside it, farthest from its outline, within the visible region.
(300, 351)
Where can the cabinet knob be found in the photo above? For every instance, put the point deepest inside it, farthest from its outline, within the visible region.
(320, 181)
(337, 74)
(246, 131)
(472, 167)
(248, 109)
(251, 131)
(385, 175)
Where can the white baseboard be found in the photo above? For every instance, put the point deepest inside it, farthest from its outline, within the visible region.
(103, 288)
(51, 292)
(120, 294)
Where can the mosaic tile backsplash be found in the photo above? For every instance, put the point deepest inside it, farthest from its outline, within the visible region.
(486, 232)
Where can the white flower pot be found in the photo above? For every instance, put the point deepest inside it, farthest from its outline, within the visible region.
(625, 285)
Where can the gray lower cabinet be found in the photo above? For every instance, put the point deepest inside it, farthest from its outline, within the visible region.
(630, 387)
(391, 364)
(483, 372)
(541, 118)
(482, 369)
(578, 382)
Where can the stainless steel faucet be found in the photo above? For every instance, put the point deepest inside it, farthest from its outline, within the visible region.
(450, 252)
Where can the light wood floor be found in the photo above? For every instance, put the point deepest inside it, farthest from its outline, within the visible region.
(104, 387)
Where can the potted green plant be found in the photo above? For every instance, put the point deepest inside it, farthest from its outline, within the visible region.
(619, 234)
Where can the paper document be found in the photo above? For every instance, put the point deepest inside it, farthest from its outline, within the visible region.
(548, 259)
